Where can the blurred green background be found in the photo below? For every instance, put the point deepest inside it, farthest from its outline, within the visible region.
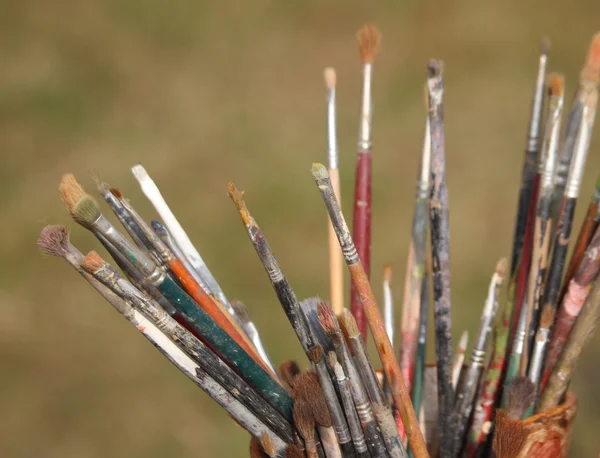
(206, 92)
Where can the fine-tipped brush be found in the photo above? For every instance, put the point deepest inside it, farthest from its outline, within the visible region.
(440, 250)
(382, 411)
(459, 358)
(275, 412)
(572, 303)
(336, 261)
(588, 80)
(191, 286)
(308, 388)
(466, 395)
(543, 217)
(357, 383)
(153, 194)
(531, 153)
(586, 232)
(282, 287)
(580, 336)
(369, 39)
(333, 404)
(305, 422)
(358, 437)
(383, 344)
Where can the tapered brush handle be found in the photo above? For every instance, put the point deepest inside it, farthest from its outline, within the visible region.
(361, 232)
(336, 261)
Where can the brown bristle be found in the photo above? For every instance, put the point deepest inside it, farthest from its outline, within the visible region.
(315, 353)
(327, 319)
(591, 69)
(115, 192)
(501, 267)
(349, 324)
(256, 450)
(510, 436)
(309, 389)
(304, 420)
(289, 370)
(332, 359)
(387, 273)
(556, 84)
(293, 452)
(547, 317)
(369, 39)
(70, 190)
(92, 262)
(54, 240)
(268, 445)
(521, 394)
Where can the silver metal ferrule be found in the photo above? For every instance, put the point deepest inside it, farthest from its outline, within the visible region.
(156, 277)
(366, 111)
(582, 146)
(533, 138)
(388, 310)
(332, 148)
(548, 158)
(423, 185)
(539, 351)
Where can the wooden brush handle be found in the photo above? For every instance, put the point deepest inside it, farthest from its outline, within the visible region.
(336, 261)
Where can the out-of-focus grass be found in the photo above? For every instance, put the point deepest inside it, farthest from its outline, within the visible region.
(202, 93)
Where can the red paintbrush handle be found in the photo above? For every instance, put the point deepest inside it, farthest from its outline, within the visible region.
(361, 232)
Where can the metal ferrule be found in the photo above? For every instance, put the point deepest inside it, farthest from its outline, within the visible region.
(365, 414)
(582, 146)
(141, 262)
(533, 138)
(548, 159)
(388, 304)
(332, 148)
(423, 184)
(366, 111)
(539, 351)
(156, 277)
(477, 357)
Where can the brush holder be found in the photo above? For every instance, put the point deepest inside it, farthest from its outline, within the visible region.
(544, 435)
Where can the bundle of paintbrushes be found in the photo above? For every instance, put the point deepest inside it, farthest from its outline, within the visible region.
(507, 398)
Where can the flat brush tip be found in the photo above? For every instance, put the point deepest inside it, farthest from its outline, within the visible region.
(319, 171)
(591, 69)
(327, 319)
(304, 419)
(547, 317)
(330, 77)
(349, 323)
(464, 341)
(521, 394)
(115, 192)
(501, 267)
(387, 273)
(556, 84)
(369, 40)
(70, 190)
(316, 353)
(139, 172)
(54, 240)
(92, 262)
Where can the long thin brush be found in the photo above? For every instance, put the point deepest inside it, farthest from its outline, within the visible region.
(358, 438)
(383, 344)
(382, 411)
(283, 289)
(357, 384)
(543, 218)
(466, 396)
(336, 261)
(588, 80)
(368, 43)
(275, 412)
(531, 153)
(440, 248)
(577, 292)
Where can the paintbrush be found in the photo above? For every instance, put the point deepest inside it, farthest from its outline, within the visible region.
(587, 230)
(459, 358)
(382, 411)
(293, 451)
(336, 261)
(466, 395)
(440, 249)
(284, 291)
(333, 404)
(278, 408)
(305, 422)
(369, 39)
(588, 80)
(388, 302)
(356, 431)
(310, 306)
(288, 370)
(359, 394)
(543, 217)
(572, 303)
(539, 350)
(359, 277)
(531, 153)
(307, 387)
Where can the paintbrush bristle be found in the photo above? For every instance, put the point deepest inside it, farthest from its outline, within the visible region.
(139, 172)
(369, 39)
(92, 262)
(387, 273)
(70, 190)
(115, 192)
(289, 370)
(316, 353)
(256, 450)
(86, 211)
(509, 436)
(330, 77)
(501, 267)
(547, 317)
(434, 68)
(304, 420)
(545, 45)
(556, 84)
(308, 388)
(101, 186)
(463, 342)
(241, 311)
(293, 452)
(349, 324)
(521, 394)
(319, 171)
(332, 359)
(327, 319)
(268, 445)
(591, 69)
(82, 206)
(54, 240)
